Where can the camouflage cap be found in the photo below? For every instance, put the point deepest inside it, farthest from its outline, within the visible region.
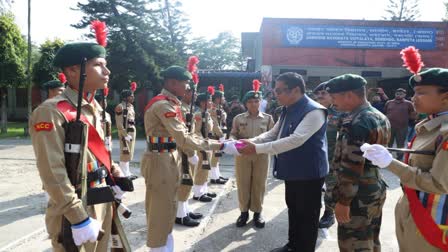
(73, 53)
(345, 82)
(177, 73)
(432, 76)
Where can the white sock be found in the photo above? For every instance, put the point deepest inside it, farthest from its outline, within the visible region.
(182, 210)
(214, 173)
(199, 190)
(125, 168)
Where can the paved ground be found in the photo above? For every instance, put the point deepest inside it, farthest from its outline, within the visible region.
(22, 205)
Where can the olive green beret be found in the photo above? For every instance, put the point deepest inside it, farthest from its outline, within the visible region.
(73, 53)
(432, 76)
(345, 82)
(320, 87)
(251, 95)
(177, 73)
(203, 97)
(218, 93)
(52, 84)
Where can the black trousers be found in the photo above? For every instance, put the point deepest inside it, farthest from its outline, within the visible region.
(303, 198)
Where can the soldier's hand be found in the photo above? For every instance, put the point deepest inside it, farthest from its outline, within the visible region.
(249, 149)
(128, 138)
(377, 154)
(342, 213)
(194, 160)
(85, 231)
(118, 193)
(229, 148)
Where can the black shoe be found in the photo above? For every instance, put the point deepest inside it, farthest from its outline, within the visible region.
(211, 195)
(283, 249)
(327, 219)
(258, 220)
(203, 198)
(195, 216)
(218, 181)
(133, 177)
(242, 220)
(226, 179)
(187, 221)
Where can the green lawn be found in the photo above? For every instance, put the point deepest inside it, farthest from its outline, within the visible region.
(15, 129)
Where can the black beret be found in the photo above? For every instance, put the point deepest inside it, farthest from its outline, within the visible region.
(432, 76)
(320, 87)
(345, 82)
(52, 84)
(177, 73)
(72, 54)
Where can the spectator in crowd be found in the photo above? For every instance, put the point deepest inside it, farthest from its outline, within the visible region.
(266, 103)
(399, 111)
(378, 103)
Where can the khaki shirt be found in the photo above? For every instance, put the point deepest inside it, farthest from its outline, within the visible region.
(425, 172)
(185, 109)
(198, 124)
(164, 119)
(48, 138)
(216, 130)
(119, 110)
(245, 126)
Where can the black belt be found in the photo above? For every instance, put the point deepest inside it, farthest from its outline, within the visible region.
(161, 147)
(130, 130)
(131, 123)
(98, 174)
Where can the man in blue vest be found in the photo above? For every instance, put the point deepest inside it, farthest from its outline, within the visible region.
(297, 138)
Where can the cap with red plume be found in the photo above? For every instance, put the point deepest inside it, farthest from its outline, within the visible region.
(100, 32)
(256, 85)
(133, 86)
(412, 61)
(255, 93)
(211, 90)
(62, 78)
(193, 68)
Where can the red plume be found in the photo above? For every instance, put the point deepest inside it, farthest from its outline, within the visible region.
(412, 59)
(133, 86)
(221, 87)
(211, 90)
(256, 85)
(195, 78)
(192, 64)
(62, 78)
(106, 91)
(100, 32)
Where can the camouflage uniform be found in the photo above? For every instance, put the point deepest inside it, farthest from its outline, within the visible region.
(359, 183)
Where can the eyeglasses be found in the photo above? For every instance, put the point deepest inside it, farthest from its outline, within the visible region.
(280, 91)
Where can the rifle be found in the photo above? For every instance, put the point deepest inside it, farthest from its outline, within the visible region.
(205, 163)
(125, 126)
(120, 242)
(186, 177)
(75, 161)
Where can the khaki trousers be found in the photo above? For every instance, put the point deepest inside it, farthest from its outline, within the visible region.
(162, 174)
(201, 175)
(251, 175)
(101, 212)
(184, 190)
(128, 157)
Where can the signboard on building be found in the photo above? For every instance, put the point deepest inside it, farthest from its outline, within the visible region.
(362, 37)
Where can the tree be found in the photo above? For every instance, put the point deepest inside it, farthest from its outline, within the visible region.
(43, 69)
(402, 10)
(135, 49)
(13, 52)
(220, 53)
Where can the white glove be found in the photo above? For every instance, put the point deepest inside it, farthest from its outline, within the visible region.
(377, 154)
(222, 139)
(85, 231)
(229, 148)
(128, 138)
(119, 194)
(194, 160)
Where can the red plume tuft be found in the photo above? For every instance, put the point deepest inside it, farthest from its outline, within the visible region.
(256, 85)
(106, 92)
(62, 78)
(195, 78)
(211, 90)
(100, 32)
(192, 64)
(133, 86)
(221, 87)
(412, 59)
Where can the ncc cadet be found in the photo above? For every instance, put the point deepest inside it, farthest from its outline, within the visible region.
(125, 120)
(252, 170)
(360, 191)
(55, 87)
(334, 120)
(218, 116)
(160, 166)
(203, 125)
(184, 216)
(48, 137)
(420, 214)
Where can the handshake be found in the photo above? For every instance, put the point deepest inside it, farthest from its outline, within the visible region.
(238, 147)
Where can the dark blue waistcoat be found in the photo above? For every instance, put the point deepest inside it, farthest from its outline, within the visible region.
(308, 161)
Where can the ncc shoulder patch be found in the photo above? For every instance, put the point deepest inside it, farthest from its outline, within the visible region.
(43, 126)
(170, 114)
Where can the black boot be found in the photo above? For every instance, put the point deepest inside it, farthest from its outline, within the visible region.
(218, 181)
(242, 220)
(203, 198)
(258, 220)
(285, 248)
(211, 195)
(195, 216)
(187, 221)
(221, 177)
(327, 219)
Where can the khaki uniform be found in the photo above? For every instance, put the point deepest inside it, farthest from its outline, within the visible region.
(425, 173)
(216, 132)
(200, 174)
(48, 146)
(251, 171)
(126, 148)
(161, 170)
(184, 190)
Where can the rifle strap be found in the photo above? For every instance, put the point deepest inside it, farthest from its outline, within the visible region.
(157, 98)
(95, 143)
